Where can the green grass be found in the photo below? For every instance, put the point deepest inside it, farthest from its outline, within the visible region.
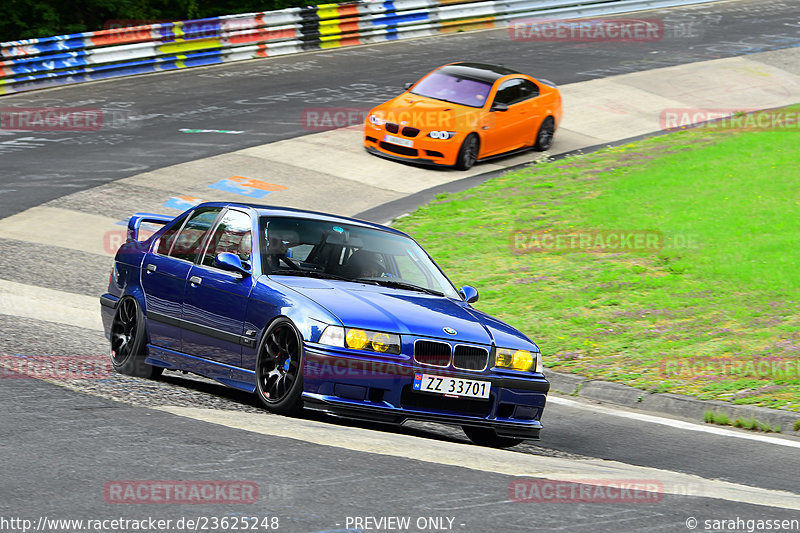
(713, 313)
(796, 426)
(722, 419)
(717, 418)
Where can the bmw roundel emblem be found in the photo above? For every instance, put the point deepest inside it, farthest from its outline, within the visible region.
(450, 331)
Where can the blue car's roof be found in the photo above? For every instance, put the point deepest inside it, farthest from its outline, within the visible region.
(275, 211)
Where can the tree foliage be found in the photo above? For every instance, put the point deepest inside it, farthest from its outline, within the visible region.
(27, 19)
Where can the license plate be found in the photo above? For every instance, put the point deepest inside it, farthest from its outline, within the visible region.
(448, 386)
(408, 143)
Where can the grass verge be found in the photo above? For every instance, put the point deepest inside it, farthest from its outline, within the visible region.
(745, 423)
(710, 309)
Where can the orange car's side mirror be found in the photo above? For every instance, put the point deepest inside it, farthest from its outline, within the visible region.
(497, 106)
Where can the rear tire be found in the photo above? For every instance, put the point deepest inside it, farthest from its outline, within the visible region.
(468, 154)
(544, 137)
(279, 376)
(128, 341)
(489, 437)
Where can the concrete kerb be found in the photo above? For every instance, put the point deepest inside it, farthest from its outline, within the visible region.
(676, 405)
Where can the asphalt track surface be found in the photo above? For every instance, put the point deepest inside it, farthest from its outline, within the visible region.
(60, 446)
(144, 116)
(307, 486)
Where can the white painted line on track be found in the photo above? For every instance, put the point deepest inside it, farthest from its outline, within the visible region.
(677, 424)
(486, 459)
(50, 305)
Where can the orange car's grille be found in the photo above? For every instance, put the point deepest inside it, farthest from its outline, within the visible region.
(391, 127)
(402, 150)
(408, 131)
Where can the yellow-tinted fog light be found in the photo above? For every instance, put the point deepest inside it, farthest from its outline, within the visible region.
(357, 339)
(523, 360)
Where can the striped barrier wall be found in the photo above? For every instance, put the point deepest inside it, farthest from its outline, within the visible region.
(76, 58)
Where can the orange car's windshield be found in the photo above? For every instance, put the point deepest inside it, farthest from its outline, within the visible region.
(453, 89)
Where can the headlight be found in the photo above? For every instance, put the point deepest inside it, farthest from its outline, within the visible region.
(360, 339)
(376, 120)
(518, 360)
(333, 336)
(444, 135)
(374, 341)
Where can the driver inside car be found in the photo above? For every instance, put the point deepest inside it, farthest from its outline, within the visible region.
(364, 264)
(276, 250)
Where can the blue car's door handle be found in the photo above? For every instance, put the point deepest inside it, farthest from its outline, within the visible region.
(151, 267)
(194, 280)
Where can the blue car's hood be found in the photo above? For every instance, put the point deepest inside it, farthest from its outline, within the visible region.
(405, 312)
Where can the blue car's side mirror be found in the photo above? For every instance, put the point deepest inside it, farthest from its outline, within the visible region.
(231, 263)
(470, 294)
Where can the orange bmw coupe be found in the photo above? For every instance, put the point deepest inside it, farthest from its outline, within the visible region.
(463, 113)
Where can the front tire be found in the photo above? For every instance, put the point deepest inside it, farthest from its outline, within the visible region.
(468, 153)
(279, 377)
(489, 437)
(544, 137)
(128, 341)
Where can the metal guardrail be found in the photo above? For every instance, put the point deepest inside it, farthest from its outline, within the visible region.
(89, 56)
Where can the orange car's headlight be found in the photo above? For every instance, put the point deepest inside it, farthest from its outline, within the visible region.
(375, 120)
(443, 135)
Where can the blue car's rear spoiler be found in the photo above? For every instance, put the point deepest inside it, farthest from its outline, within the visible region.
(137, 219)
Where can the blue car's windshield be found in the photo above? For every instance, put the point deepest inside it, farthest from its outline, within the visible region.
(299, 246)
(453, 89)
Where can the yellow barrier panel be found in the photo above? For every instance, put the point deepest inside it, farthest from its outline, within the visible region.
(330, 43)
(189, 46)
(328, 11)
(329, 28)
(482, 23)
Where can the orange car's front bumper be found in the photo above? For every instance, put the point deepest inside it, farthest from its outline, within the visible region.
(422, 149)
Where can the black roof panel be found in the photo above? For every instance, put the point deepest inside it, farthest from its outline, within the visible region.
(478, 71)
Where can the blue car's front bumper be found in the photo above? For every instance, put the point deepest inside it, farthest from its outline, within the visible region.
(377, 388)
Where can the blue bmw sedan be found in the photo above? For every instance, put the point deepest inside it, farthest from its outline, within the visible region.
(309, 310)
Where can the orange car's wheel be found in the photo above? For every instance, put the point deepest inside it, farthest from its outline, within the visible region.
(544, 137)
(468, 153)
